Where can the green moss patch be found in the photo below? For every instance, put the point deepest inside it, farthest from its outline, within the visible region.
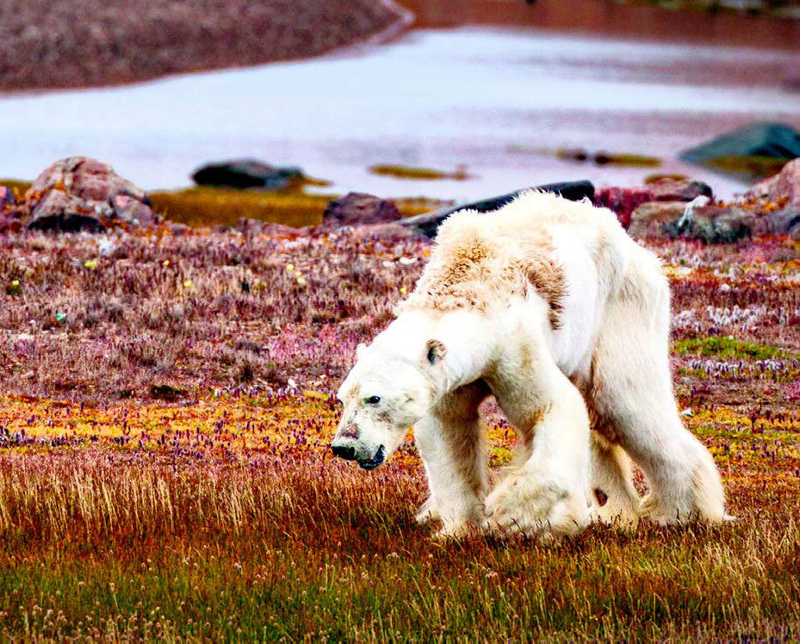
(722, 347)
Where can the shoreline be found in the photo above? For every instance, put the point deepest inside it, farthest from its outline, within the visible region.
(414, 16)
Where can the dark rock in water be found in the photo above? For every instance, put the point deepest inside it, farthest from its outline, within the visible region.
(247, 173)
(674, 190)
(357, 209)
(770, 140)
(79, 193)
(623, 201)
(428, 223)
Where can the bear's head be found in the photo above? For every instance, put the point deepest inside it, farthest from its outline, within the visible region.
(394, 383)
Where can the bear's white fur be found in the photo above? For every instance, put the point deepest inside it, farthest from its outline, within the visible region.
(551, 307)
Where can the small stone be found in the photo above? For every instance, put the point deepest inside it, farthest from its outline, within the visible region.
(623, 201)
(6, 197)
(357, 209)
(656, 219)
(686, 190)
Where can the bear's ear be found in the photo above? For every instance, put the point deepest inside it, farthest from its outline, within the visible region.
(360, 349)
(435, 351)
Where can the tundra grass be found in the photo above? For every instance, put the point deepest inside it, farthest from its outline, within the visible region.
(229, 519)
(166, 408)
(224, 207)
(209, 206)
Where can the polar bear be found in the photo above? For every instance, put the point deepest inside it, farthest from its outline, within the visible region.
(551, 307)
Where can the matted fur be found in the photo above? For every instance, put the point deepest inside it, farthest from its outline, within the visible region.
(481, 261)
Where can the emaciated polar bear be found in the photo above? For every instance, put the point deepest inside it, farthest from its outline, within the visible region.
(550, 306)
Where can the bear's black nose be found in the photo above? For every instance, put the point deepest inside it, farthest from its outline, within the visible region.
(345, 452)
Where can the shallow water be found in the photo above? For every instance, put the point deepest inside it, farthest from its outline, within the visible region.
(499, 101)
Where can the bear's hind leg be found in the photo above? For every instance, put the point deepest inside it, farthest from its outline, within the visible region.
(612, 476)
(630, 385)
(450, 442)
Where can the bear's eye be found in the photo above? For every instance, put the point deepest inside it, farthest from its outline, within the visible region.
(372, 400)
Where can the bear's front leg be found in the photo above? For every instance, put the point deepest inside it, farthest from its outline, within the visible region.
(548, 493)
(451, 445)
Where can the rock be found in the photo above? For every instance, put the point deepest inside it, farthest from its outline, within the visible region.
(357, 209)
(250, 226)
(770, 140)
(6, 198)
(134, 212)
(179, 230)
(87, 179)
(712, 224)
(686, 190)
(9, 222)
(656, 219)
(623, 201)
(779, 222)
(247, 173)
(428, 223)
(717, 224)
(784, 185)
(79, 193)
(59, 211)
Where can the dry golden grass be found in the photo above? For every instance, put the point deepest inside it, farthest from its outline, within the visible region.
(224, 207)
(228, 519)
